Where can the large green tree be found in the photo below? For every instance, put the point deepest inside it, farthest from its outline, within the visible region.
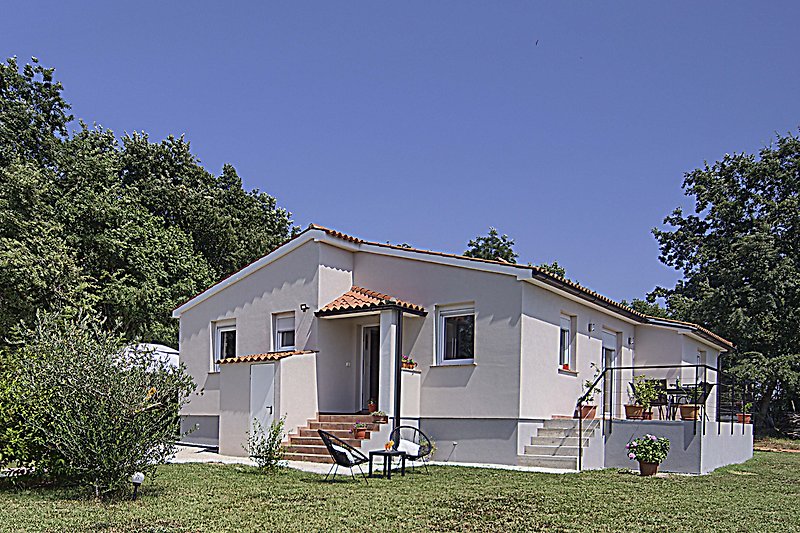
(128, 228)
(739, 253)
(492, 246)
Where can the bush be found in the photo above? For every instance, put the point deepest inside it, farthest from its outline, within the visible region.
(264, 447)
(648, 449)
(85, 410)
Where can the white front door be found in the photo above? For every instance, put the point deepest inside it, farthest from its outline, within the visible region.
(262, 394)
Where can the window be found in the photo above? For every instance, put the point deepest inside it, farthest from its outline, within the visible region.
(284, 332)
(456, 336)
(225, 345)
(565, 343)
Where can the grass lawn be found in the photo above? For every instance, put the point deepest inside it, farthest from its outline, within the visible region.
(761, 495)
(777, 444)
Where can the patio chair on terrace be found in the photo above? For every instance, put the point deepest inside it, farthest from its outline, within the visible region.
(415, 443)
(343, 455)
(661, 401)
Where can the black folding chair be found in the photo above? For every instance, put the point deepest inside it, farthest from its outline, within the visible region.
(417, 446)
(343, 455)
(661, 400)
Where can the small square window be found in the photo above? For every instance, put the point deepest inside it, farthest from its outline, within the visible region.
(456, 336)
(284, 332)
(225, 345)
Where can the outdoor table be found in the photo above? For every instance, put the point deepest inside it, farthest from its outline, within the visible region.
(388, 455)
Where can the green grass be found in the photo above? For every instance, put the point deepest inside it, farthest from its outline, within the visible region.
(760, 495)
(777, 443)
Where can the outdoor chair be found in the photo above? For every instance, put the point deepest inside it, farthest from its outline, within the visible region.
(416, 444)
(343, 455)
(661, 401)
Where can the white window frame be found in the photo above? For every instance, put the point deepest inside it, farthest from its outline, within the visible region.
(570, 352)
(441, 334)
(276, 337)
(217, 352)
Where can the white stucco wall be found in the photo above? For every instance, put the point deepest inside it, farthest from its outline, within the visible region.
(296, 391)
(250, 303)
(490, 387)
(545, 389)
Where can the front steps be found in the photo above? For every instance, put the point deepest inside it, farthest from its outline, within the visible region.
(305, 443)
(556, 444)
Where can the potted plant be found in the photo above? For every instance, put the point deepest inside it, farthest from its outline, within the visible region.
(745, 417)
(372, 405)
(642, 394)
(650, 451)
(359, 430)
(587, 408)
(379, 417)
(408, 363)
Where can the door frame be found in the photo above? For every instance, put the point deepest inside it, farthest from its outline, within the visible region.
(361, 404)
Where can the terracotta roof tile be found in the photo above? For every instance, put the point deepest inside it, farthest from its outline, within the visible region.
(361, 299)
(260, 357)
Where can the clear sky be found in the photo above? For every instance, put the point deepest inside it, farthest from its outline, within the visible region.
(567, 125)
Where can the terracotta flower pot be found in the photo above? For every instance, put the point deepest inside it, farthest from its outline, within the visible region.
(588, 411)
(372, 407)
(744, 418)
(647, 415)
(648, 469)
(360, 433)
(634, 412)
(690, 412)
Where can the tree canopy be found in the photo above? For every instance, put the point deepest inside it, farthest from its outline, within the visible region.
(492, 246)
(739, 253)
(126, 227)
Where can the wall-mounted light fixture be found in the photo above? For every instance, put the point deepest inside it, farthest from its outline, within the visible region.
(630, 341)
(304, 307)
(590, 327)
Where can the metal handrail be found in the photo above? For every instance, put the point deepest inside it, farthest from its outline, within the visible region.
(602, 376)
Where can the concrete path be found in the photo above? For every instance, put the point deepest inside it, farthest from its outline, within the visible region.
(192, 454)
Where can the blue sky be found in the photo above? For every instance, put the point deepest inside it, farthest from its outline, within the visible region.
(428, 122)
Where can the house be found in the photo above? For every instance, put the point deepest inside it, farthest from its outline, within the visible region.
(315, 329)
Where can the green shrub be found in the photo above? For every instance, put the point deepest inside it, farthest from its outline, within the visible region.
(86, 410)
(264, 447)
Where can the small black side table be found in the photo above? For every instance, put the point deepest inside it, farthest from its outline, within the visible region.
(388, 455)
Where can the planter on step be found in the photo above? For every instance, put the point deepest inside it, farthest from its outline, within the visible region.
(380, 418)
(360, 434)
(648, 469)
(647, 415)
(588, 411)
(744, 418)
(634, 412)
(690, 412)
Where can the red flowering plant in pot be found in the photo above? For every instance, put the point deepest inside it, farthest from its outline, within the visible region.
(650, 451)
(408, 363)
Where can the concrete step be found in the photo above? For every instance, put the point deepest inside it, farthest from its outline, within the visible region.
(306, 450)
(343, 434)
(316, 441)
(569, 423)
(344, 419)
(346, 426)
(562, 432)
(546, 461)
(557, 441)
(308, 458)
(563, 451)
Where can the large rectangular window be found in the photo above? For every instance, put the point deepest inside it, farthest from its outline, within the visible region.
(456, 336)
(284, 332)
(225, 345)
(565, 355)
